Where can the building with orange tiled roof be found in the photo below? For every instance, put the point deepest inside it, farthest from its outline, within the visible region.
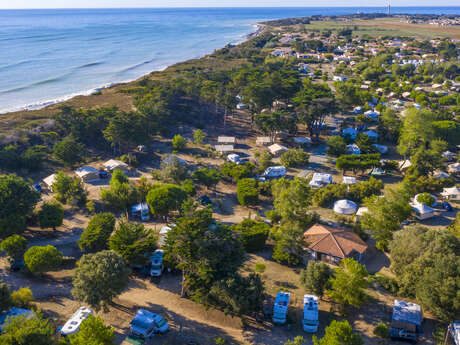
(332, 245)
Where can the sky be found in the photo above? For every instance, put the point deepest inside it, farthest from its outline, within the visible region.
(20, 4)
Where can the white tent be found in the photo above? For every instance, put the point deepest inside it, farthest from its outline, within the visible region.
(224, 148)
(113, 164)
(345, 207)
(361, 211)
(50, 180)
(403, 165)
(440, 175)
(349, 180)
(452, 193)
(454, 168)
(277, 149)
(423, 211)
(87, 173)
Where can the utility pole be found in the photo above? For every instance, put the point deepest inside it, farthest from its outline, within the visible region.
(389, 10)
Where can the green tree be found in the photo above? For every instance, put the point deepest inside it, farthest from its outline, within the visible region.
(247, 192)
(253, 234)
(173, 170)
(385, 215)
(416, 131)
(348, 284)
(69, 189)
(5, 296)
(50, 215)
(339, 333)
(426, 263)
(69, 151)
(294, 158)
(315, 277)
(32, 158)
(133, 242)
(93, 331)
(14, 246)
(426, 199)
(121, 192)
(17, 201)
(178, 142)
(22, 330)
(209, 177)
(22, 298)
(40, 259)
(99, 278)
(382, 331)
(165, 198)
(336, 146)
(198, 136)
(96, 235)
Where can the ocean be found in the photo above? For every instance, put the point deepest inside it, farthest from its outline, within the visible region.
(47, 56)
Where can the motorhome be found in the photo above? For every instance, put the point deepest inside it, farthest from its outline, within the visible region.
(72, 325)
(156, 268)
(280, 308)
(274, 172)
(310, 313)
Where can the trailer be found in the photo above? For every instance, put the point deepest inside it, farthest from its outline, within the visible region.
(280, 307)
(310, 314)
(72, 325)
(156, 261)
(275, 171)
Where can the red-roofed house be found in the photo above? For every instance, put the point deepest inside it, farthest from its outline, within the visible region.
(332, 245)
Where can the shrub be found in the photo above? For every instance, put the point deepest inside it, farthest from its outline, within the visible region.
(253, 234)
(294, 158)
(50, 215)
(178, 142)
(198, 136)
(40, 259)
(247, 192)
(14, 246)
(237, 171)
(315, 277)
(259, 268)
(388, 283)
(96, 235)
(69, 151)
(336, 146)
(382, 331)
(22, 298)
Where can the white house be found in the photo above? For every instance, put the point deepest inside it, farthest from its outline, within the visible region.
(87, 173)
(452, 193)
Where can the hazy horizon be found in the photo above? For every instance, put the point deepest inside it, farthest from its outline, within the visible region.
(93, 4)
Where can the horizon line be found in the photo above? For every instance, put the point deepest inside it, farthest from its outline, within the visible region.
(213, 7)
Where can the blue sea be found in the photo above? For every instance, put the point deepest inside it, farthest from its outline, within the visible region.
(48, 56)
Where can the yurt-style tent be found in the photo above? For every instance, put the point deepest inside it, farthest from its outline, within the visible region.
(345, 207)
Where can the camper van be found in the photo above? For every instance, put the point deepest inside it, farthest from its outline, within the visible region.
(310, 313)
(72, 325)
(156, 268)
(280, 308)
(146, 323)
(274, 172)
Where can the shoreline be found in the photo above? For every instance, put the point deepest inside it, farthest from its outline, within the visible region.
(40, 105)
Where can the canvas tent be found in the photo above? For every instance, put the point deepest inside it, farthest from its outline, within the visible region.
(277, 149)
(50, 180)
(345, 207)
(372, 134)
(224, 148)
(351, 132)
(87, 173)
(113, 164)
(226, 140)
